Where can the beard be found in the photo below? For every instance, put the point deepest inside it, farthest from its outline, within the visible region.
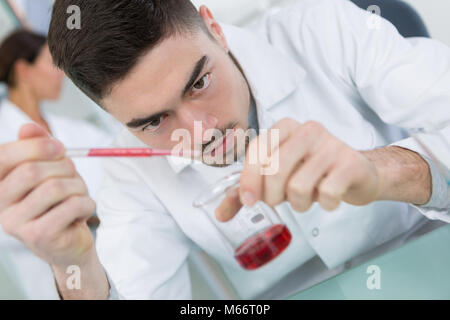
(236, 153)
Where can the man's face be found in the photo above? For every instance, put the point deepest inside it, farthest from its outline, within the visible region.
(183, 80)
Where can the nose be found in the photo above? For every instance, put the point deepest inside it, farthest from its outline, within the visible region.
(197, 123)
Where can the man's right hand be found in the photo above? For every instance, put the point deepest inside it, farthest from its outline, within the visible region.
(45, 204)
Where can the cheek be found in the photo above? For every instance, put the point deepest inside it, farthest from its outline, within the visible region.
(54, 77)
(233, 100)
(47, 81)
(221, 100)
(224, 98)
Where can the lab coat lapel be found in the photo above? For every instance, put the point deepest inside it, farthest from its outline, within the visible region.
(12, 119)
(272, 75)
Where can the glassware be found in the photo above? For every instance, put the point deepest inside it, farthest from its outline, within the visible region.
(255, 235)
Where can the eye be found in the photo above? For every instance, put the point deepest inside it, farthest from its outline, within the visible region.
(203, 83)
(155, 124)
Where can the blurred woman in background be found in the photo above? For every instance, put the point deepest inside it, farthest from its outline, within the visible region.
(27, 69)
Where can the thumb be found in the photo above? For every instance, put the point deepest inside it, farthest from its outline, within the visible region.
(32, 130)
(229, 207)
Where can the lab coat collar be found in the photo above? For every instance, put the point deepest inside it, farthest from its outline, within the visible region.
(272, 76)
(16, 117)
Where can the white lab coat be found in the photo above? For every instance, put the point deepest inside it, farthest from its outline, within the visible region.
(316, 60)
(32, 275)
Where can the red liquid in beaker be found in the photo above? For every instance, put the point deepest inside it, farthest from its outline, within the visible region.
(263, 247)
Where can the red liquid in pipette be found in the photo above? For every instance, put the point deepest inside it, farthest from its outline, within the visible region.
(263, 247)
(128, 152)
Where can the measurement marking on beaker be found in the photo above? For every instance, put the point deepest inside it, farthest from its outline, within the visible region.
(259, 217)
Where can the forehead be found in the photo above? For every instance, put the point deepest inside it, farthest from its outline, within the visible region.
(157, 79)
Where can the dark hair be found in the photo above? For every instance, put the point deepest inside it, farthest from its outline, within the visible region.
(21, 44)
(114, 34)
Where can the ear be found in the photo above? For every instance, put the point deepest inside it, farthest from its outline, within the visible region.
(214, 27)
(20, 68)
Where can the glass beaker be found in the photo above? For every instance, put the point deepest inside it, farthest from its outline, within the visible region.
(255, 235)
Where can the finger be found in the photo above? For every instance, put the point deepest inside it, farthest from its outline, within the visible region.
(59, 218)
(229, 207)
(47, 195)
(286, 127)
(333, 187)
(291, 154)
(36, 149)
(251, 183)
(32, 130)
(258, 153)
(29, 175)
(302, 185)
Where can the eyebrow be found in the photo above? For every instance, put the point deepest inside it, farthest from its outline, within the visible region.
(195, 74)
(136, 123)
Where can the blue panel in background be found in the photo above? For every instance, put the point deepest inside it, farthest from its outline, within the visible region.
(38, 13)
(8, 22)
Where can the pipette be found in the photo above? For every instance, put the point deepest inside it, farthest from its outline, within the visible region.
(127, 152)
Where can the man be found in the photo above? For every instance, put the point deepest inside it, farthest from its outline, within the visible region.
(334, 89)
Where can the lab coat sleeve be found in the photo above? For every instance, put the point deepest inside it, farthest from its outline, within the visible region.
(141, 247)
(406, 82)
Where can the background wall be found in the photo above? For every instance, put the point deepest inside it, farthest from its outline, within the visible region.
(434, 12)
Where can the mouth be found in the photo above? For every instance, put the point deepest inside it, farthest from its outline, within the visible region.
(222, 145)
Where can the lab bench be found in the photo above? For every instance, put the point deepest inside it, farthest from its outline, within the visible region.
(418, 270)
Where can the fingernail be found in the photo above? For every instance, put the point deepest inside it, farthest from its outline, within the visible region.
(248, 199)
(220, 215)
(55, 148)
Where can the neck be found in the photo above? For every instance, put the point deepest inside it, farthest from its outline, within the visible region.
(28, 103)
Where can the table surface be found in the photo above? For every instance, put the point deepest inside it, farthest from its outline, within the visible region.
(418, 270)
